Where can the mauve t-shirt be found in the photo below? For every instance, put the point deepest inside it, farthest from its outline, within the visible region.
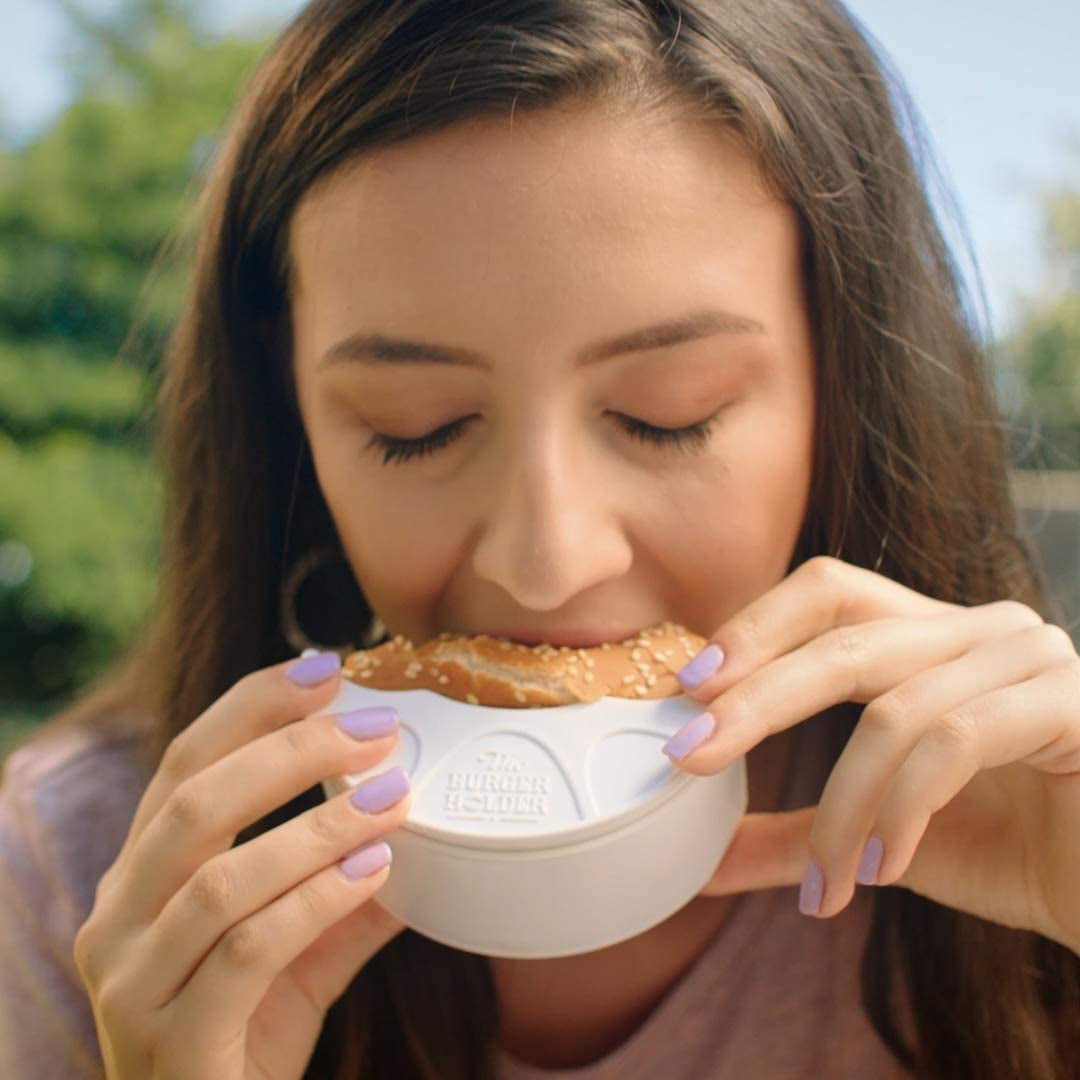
(773, 996)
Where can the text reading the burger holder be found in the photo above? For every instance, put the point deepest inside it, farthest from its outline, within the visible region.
(498, 787)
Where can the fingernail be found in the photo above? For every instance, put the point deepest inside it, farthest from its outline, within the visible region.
(382, 791)
(812, 889)
(369, 723)
(367, 860)
(312, 670)
(706, 663)
(870, 863)
(692, 734)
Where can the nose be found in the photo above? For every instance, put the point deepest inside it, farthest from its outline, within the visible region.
(551, 525)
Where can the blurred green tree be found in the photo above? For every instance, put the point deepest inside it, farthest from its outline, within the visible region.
(95, 215)
(1044, 352)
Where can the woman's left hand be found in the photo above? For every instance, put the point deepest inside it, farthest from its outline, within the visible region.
(962, 775)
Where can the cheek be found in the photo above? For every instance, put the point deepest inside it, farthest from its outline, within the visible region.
(733, 531)
(401, 547)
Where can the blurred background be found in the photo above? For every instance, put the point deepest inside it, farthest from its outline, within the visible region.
(111, 109)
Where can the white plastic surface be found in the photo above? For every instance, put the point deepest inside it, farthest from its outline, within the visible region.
(546, 832)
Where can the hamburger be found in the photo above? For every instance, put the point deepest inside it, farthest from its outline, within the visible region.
(492, 671)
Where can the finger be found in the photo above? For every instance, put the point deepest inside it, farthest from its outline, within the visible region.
(767, 851)
(234, 886)
(851, 663)
(260, 702)
(326, 967)
(203, 816)
(820, 594)
(890, 729)
(1033, 722)
(228, 986)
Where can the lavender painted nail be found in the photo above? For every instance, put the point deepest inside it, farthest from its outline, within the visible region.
(706, 663)
(382, 791)
(812, 889)
(366, 861)
(369, 723)
(870, 863)
(312, 670)
(690, 736)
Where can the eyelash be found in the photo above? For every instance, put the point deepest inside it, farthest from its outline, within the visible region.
(692, 439)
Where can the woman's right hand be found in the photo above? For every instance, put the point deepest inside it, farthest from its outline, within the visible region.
(206, 960)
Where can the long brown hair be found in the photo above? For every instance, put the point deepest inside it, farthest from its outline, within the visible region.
(910, 470)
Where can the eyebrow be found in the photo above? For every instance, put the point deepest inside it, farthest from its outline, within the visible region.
(379, 349)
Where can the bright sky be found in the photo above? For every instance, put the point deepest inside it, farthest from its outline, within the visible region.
(997, 84)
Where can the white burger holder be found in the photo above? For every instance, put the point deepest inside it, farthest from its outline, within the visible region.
(548, 831)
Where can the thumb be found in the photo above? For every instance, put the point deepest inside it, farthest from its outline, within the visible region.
(329, 964)
(768, 850)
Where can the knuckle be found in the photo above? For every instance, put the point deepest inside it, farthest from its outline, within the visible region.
(175, 761)
(958, 732)
(243, 947)
(325, 823)
(1016, 613)
(748, 636)
(85, 952)
(301, 740)
(890, 714)
(211, 888)
(111, 999)
(1056, 642)
(821, 569)
(734, 711)
(850, 644)
(187, 808)
(311, 896)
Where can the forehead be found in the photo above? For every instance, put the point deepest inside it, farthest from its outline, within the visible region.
(564, 184)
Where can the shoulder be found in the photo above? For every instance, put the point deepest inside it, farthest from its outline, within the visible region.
(66, 802)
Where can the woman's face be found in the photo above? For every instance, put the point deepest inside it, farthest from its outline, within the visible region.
(547, 287)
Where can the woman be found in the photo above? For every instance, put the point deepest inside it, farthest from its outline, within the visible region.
(557, 320)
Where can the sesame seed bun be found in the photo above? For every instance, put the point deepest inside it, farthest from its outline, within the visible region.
(491, 671)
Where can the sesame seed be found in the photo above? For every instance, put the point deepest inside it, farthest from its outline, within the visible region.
(605, 646)
(640, 690)
(365, 674)
(376, 662)
(472, 699)
(635, 654)
(650, 680)
(628, 679)
(589, 677)
(519, 696)
(410, 674)
(443, 680)
(590, 662)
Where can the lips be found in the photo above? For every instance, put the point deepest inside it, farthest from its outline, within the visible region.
(574, 639)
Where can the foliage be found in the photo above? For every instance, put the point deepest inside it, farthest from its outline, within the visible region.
(1044, 352)
(95, 216)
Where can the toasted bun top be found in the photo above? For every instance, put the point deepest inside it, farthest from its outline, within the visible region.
(491, 671)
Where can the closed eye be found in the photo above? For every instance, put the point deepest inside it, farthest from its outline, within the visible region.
(692, 439)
